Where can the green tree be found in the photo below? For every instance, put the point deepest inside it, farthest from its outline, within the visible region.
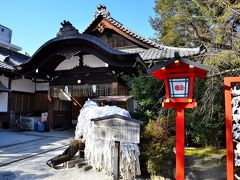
(148, 92)
(216, 25)
(157, 143)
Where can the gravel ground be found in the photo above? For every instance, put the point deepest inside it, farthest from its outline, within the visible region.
(35, 168)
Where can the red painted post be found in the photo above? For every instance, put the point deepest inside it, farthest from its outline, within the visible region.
(180, 143)
(176, 69)
(229, 136)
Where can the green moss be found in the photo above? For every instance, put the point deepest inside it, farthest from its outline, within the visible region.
(204, 152)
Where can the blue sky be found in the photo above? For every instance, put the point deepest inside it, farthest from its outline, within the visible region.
(34, 22)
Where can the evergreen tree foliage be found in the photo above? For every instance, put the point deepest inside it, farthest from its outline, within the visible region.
(157, 146)
(147, 91)
(216, 25)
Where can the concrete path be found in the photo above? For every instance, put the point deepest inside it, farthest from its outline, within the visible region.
(11, 138)
(17, 146)
(23, 156)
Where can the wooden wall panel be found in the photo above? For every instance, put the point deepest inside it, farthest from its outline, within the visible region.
(62, 118)
(114, 39)
(4, 120)
(122, 90)
(41, 102)
(24, 103)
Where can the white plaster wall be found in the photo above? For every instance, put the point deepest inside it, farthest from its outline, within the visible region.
(23, 85)
(3, 102)
(42, 86)
(93, 61)
(88, 60)
(4, 95)
(4, 80)
(68, 64)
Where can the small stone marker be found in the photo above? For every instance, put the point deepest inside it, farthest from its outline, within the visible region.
(117, 128)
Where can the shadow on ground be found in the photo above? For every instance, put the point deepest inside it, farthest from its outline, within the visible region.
(207, 168)
(9, 175)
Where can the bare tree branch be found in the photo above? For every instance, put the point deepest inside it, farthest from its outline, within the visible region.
(224, 72)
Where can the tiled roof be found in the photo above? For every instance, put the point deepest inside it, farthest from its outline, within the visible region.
(76, 43)
(2, 57)
(155, 54)
(158, 51)
(10, 46)
(102, 11)
(6, 66)
(9, 58)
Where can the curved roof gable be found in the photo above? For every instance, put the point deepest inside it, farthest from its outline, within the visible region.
(68, 43)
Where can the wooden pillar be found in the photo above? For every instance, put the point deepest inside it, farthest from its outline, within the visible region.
(50, 114)
(116, 170)
(114, 88)
(179, 143)
(229, 135)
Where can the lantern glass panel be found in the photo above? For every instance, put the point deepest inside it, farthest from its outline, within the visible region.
(179, 87)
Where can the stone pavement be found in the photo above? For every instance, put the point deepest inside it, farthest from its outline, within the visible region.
(17, 146)
(23, 156)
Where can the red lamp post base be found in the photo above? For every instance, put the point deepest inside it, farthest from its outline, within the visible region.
(179, 144)
(179, 74)
(180, 136)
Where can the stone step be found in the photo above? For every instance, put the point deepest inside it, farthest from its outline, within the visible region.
(87, 167)
(82, 164)
(72, 163)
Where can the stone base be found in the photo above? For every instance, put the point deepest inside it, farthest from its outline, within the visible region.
(72, 163)
(81, 164)
(78, 163)
(87, 167)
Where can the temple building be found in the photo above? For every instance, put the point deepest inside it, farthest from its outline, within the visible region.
(10, 57)
(72, 67)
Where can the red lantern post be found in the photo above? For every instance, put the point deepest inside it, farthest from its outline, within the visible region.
(178, 75)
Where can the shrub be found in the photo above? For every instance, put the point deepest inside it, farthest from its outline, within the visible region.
(158, 141)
